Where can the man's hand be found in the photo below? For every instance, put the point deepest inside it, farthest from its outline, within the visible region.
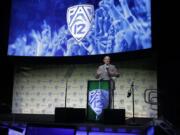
(113, 73)
(98, 73)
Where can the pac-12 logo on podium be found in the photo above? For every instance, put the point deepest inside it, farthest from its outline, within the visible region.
(79, 20)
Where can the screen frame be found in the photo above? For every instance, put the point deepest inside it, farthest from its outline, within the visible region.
(141, 54)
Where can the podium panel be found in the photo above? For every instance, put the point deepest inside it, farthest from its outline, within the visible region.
(114, 116)
(98, 99)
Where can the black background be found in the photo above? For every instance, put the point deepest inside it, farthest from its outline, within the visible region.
(165, 53)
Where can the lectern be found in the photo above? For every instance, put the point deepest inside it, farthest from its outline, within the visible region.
(98, 99)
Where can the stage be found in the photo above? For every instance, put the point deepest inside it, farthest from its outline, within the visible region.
(20, 122)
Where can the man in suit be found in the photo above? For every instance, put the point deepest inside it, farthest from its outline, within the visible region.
(108, 72)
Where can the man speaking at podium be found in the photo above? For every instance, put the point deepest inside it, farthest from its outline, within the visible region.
(108, 72)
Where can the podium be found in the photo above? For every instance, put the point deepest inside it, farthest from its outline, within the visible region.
(98, 99)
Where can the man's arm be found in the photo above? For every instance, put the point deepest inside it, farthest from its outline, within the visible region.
(98, 72)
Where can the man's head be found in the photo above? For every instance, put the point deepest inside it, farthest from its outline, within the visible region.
(107, 60)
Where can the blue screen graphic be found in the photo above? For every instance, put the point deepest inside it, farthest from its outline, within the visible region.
(78, 27)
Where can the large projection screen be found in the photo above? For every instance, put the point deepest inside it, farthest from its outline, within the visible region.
(78, 27)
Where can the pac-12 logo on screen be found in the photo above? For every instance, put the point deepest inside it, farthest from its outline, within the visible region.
(79, 20)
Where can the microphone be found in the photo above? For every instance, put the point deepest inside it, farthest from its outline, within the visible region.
(107, 67)
(129, 94)
(132, 84)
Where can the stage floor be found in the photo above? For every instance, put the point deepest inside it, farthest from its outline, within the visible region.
(22, 121)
